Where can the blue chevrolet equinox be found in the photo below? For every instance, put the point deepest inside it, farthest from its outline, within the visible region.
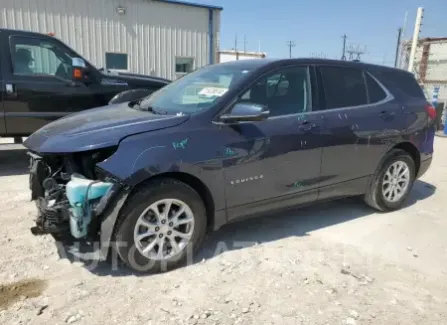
(148, 179)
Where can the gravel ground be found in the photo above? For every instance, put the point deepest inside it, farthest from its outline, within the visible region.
(335, 263)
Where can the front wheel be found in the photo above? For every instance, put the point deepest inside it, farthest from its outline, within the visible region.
(392, 183)
(161, 226)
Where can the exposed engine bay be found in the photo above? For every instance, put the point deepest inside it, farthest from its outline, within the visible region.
(71, 192)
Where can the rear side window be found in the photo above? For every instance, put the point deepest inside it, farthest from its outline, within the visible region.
(343, 87)
(402, 81)
(375, 91)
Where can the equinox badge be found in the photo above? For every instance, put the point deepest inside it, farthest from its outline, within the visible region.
(248, 179)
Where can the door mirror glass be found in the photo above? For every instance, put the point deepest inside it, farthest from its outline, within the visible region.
(245, 112)
(79, 69)
(78, 63)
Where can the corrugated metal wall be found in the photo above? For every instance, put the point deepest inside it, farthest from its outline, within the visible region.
(437, 70)
(433, 67)
(152, 33)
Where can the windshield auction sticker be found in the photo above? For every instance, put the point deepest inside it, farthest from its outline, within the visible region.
(213, 91)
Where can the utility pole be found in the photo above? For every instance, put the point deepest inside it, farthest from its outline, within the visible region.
(343, 56)
(414, 43)
(399, 36)
(245, 43)
(290, 44)
(235, 47)
(235, 43)
(403, 47)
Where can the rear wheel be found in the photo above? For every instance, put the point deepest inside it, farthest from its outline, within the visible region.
(161, 226)
(392, 183)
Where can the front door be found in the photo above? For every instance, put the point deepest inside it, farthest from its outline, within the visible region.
(39, 86)
(276, 162)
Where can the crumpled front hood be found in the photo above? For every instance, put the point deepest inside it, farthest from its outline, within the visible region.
(97, 128)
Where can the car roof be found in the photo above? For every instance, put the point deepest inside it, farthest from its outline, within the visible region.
(18, 31)
(265, 62)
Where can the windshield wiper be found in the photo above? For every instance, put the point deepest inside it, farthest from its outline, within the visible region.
(136, 104)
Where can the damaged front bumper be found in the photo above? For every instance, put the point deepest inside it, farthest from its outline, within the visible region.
(73, 207)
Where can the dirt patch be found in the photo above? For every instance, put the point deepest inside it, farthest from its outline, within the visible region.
(13, 292)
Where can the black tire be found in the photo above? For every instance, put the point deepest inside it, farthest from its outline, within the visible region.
(374, 196)
(137, 203)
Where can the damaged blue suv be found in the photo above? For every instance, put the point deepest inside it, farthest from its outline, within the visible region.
(149, 178)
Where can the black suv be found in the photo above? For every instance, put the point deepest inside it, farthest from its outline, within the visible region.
(228, 141)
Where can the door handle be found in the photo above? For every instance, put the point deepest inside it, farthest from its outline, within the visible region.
(307, 126)
(10, 92)
(73, 84)
(386, 115)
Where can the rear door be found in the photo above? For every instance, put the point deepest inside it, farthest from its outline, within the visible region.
(362, 119)
(38, 83)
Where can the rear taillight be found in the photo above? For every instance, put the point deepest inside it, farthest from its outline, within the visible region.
(431, 111)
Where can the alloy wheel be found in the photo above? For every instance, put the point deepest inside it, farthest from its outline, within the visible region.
(164, 229)
(396, 181)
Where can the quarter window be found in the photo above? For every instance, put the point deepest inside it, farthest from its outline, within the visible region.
(283, 92)
(375, 91)
(343, 87)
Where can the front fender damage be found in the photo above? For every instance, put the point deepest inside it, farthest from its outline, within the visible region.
(73, 206)
(108, 221)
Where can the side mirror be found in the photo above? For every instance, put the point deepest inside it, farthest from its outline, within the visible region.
(79, 69)
(243, 112)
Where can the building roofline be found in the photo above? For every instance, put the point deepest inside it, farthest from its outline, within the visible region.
(433, 39)
(426, 40)
(191, 4)
(248, 53)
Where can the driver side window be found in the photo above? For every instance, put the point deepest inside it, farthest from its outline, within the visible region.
(284, 92)
(33, 56)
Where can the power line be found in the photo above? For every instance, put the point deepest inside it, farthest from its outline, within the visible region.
(319, 55)
(355, 51)
(236, 43)
(244, 43)
(290, 44)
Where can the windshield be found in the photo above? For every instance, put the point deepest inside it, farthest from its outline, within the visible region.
(196, 91)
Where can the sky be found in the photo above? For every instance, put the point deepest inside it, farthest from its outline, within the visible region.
(316, 26)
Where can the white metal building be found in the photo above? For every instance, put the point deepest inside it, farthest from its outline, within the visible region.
(232, 55)
(164, 38)
(430, 65)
